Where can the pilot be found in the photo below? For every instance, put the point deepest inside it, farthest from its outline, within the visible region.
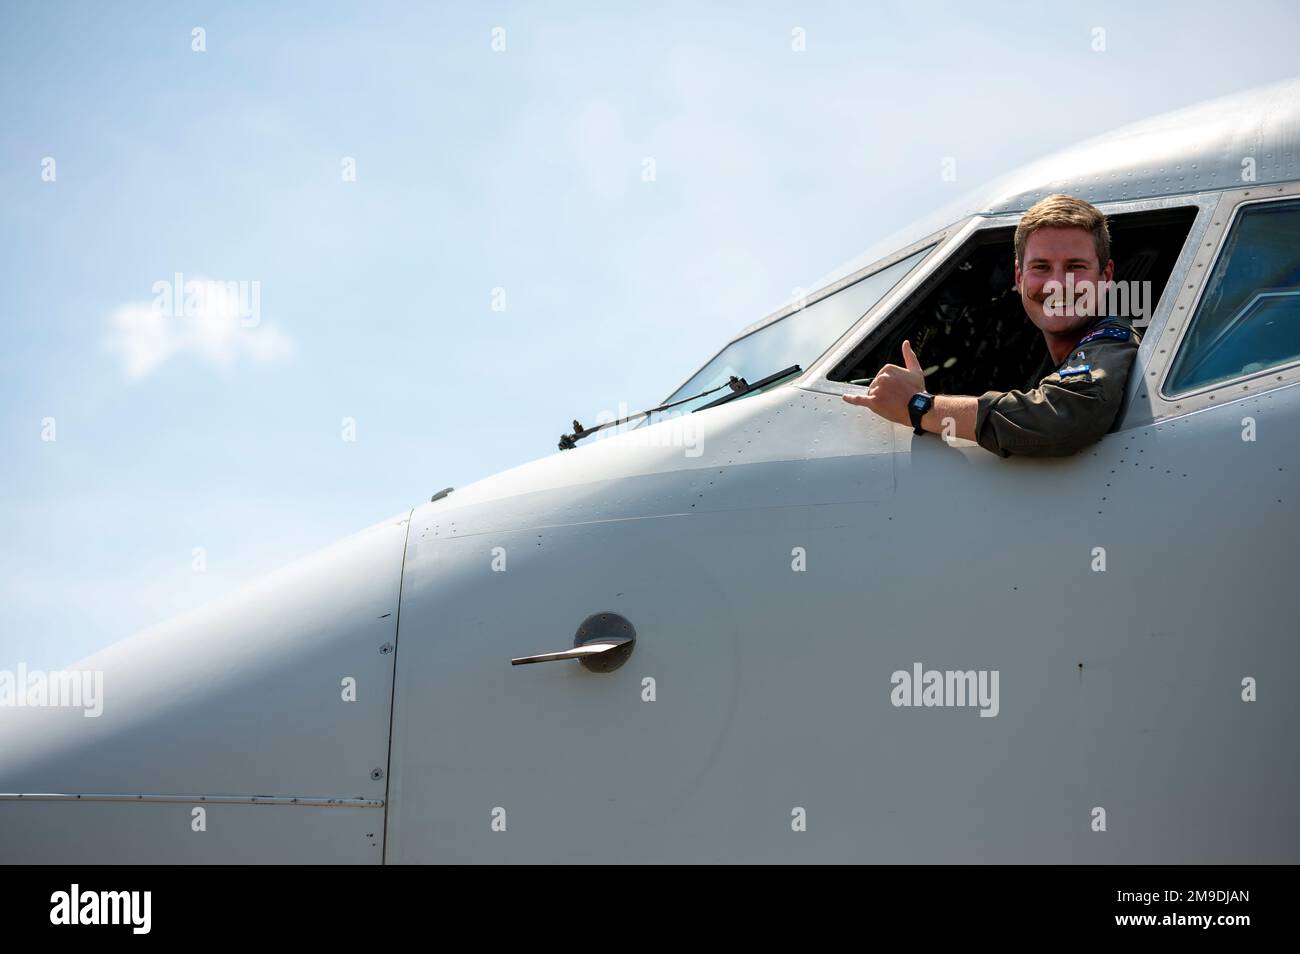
(1062, 248)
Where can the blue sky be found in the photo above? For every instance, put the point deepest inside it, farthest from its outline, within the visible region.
(476, 170)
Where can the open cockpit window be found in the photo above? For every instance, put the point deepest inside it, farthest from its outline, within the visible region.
(967, 323)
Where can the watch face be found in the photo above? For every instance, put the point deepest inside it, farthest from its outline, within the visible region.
(917, 402)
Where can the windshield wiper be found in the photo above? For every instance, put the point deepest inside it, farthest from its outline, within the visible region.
(761, 383)
(737, 385)
(569, 441)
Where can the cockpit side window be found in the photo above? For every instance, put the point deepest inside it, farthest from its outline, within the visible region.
(799, 338)
(1248, 319)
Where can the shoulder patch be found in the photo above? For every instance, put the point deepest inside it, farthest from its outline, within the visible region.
(1085, 369)
(1120, 334)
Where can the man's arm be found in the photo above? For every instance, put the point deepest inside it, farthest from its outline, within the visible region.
(1061, 416)
(1066, 412)
(961, 410)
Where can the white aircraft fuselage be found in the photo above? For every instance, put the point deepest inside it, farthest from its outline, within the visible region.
(852, 643)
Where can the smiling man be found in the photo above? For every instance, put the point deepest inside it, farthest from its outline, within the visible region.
(1062, 250)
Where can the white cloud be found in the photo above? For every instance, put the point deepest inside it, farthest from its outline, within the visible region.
(218, 322)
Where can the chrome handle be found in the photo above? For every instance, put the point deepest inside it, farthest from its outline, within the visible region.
(593, 648)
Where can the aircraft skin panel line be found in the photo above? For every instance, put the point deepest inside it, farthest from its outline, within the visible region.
(314, 801)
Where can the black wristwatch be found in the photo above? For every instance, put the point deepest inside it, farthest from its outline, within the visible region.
(921, 402)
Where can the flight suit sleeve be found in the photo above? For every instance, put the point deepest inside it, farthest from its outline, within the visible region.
(1066, 412)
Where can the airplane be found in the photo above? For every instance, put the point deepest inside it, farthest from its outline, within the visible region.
(766, 626)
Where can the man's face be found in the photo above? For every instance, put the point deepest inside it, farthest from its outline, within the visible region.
(1052, 254)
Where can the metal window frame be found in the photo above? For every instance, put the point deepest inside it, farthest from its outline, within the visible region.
(1209, 254)
(933, 239)
(944, 240)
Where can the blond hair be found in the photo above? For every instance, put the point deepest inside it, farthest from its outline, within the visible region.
(1062, 211)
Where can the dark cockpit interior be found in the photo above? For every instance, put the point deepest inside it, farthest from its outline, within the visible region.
(968, 326)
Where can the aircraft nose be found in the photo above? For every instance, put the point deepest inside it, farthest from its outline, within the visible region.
(280, 692)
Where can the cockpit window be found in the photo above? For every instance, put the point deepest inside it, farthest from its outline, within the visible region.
(1249, 317)
(799, 338)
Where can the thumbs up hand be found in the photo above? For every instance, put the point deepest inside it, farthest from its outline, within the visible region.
(892, 388)
(913, 364)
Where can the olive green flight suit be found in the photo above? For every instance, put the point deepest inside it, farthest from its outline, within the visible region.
(1073, 405)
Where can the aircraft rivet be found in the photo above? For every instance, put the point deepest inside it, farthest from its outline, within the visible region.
(385, 649)
(377, 774)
